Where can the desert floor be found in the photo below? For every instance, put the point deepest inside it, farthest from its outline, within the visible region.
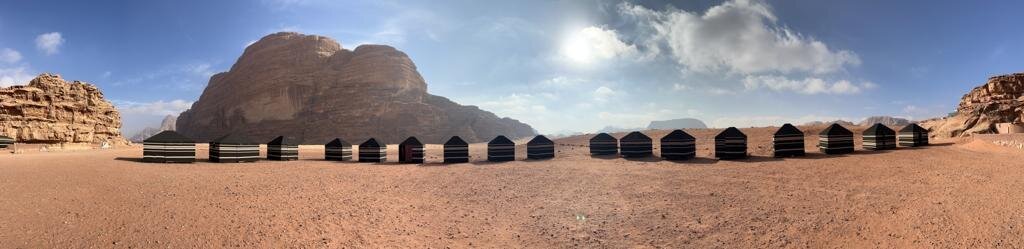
(964, 193)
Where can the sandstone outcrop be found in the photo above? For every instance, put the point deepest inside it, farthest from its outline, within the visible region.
(997, 101)
(52, 110)
(168, 124)
(310, 88)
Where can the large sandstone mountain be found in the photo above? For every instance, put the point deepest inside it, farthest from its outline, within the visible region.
(309, 87)
(1000, 100)
(51, 110)
(168, 124)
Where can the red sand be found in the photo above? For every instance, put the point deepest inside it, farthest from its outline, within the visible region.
(948, 195)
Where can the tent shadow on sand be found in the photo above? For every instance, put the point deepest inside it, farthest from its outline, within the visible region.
(754, 159)
(129, 159)
(696, 160)
(605, 157)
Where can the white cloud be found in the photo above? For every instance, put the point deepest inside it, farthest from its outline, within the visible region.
(49, 43)
(9, 56)
(680, 87)
(15, 76)
(763, 121)
(739, 36)
(159, 108)
(595, 44)
(562, 81)
(200, 69)
(805, 86)
(603, 94)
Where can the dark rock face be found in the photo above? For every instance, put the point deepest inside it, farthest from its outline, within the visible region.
(682, 123)
(308, 87)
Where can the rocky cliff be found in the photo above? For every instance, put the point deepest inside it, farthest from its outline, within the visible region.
(52, 110)
(168, 124)
(999, 100)
(309, 87)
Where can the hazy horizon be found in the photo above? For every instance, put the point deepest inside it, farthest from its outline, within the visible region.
(555, 65)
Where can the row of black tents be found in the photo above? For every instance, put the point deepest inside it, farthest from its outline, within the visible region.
(170, 146)
(731, 143)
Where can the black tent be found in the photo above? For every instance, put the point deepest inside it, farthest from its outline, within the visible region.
(835, 140)
(456, 150)
(232, 148)
(5, 141)
(636, 144)
(540, 147)
(913, 135)
(501, 149)
(788, 141)
(604, 144)
(410, 151)
(168, 147)
(678, 145)
(373, 152)
(338, 150)
(283, 149)
(731, 143)
(879, 137)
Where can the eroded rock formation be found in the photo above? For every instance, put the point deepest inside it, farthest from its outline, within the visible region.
(997, 101)
(52, 110)
(310, 88)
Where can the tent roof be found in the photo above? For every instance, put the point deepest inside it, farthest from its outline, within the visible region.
(411, 141)
(540, 140)
(879, 129)
(231, 138)
(913, 128)
(678, 135)
(372, 142)
(338, 142)
(836, 129)
(501, 140)
(788, 129)
(636, 136)
(282, 140)
(456, 140)
(731, 132)
(165, 137)
(603, 137)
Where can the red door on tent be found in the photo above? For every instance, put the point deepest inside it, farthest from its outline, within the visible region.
(407, 153)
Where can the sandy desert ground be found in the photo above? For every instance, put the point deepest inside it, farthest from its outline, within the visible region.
(963, 193)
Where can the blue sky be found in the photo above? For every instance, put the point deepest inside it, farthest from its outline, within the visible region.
(557, 65)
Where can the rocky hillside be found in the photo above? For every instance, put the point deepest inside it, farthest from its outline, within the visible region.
(885, 120)
(52, 110)
(168, 124)
(309, 87)
(999, 100)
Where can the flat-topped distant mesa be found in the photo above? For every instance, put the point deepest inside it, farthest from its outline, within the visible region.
(310, 88)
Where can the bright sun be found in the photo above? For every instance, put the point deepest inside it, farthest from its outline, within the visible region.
(577, 49)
